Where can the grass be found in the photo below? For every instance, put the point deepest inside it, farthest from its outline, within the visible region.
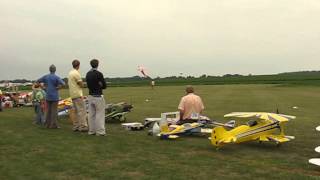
(30, 152)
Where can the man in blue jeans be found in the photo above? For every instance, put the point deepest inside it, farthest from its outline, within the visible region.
(52, 84)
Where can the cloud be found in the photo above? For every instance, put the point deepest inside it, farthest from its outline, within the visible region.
(167, 36)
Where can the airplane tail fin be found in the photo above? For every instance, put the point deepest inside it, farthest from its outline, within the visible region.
(217, 135)
(164, 127)
(230, 124)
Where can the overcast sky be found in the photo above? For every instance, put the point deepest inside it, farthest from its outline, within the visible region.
(168, 37)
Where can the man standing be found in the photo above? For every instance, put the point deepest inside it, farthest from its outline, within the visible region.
(190, 107)
(75, 90)
(52, 84)
(38, 99)
(152, 84)
(96, 83)
(0, 100)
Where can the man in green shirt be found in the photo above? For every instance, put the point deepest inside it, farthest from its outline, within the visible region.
(38, 99)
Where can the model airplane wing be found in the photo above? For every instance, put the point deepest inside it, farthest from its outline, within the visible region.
(261, 115)
(180, 129)
(315, 161)
(228, 140)
(276, 138)
(168, 136)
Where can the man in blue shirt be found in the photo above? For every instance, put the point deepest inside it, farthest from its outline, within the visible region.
(52, 84)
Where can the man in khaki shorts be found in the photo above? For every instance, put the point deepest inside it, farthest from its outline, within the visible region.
(75, 89)
(190, 107)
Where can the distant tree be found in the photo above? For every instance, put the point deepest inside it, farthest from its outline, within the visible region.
(20, 81)
(227, 75)
(203, 76)
(232, 75)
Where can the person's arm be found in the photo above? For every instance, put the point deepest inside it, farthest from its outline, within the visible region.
(78, 79)
(181, 108)
(181, 114)
(80, 84)
(33, 95)
(41, 80)
(86, 78)
(60, 83)
(33, 86)
(202, 106)
(102, 82)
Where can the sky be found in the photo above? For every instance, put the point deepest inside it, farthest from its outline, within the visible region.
(167, 37)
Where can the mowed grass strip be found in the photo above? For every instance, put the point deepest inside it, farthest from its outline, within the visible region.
(31, 152)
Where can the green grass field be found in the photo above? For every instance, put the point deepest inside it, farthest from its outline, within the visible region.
(30, 152)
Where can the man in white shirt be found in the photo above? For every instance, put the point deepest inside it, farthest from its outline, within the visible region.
(190, 107)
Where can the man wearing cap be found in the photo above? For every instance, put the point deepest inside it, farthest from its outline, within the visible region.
(52, 84)
(75, 90)
(96, 84)
(190, 107)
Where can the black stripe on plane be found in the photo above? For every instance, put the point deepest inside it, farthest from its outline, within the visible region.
(262, 127)
(261, 131)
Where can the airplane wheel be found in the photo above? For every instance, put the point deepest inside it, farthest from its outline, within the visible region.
(278, 144)
(260, 142)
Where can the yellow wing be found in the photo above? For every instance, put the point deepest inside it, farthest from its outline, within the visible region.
(261, 115)
(275, 138)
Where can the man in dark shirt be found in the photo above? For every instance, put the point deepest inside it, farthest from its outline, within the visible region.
(96, 84)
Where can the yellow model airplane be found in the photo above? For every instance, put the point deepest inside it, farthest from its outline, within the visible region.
(262, 129)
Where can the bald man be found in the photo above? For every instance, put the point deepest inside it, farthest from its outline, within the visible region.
(52, 84)
(190, 107)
